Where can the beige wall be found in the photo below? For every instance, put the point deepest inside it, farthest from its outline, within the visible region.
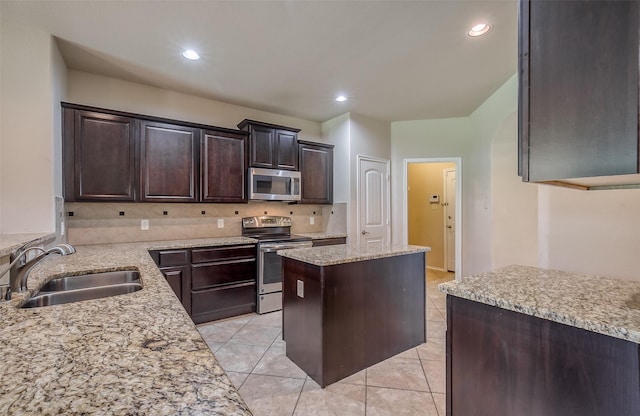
(354, 135)
(506, 221)
(515, 203)
(337, 132)
(32, 78)
(372, 138)
(115, 94)
(426, 220)
(469, 138)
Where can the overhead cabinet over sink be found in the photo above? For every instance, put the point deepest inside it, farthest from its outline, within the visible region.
(116, 156)
(100, 156)
(578, 95)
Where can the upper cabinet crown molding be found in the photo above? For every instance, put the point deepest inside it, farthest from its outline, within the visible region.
(578, 92)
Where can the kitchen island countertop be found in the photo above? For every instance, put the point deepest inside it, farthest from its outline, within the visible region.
(138, 353)
(323, 235)
(599, 304)
(344, 253)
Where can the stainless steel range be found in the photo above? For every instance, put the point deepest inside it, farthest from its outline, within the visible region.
(273, 234)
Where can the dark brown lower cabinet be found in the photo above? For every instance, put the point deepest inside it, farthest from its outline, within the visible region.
(340, 319)
(211, 282)
(223, 282)
(174, 265)
(501, 362)
(223, 302)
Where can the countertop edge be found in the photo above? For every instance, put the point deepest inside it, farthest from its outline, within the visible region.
(342, 254)
(544, 312)
(22, 239)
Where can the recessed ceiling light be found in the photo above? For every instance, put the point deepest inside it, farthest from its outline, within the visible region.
(341, 98)
(191, 54)
(479, 30)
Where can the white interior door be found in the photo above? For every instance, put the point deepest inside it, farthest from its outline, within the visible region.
(450, 218)
(373, 201)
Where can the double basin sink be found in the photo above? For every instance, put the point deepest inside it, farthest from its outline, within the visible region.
(70, 289)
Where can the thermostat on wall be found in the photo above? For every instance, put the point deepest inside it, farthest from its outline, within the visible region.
(434, 199)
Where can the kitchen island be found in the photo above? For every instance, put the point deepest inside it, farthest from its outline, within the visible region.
(529, 341)
(138, 353)
(346, 308)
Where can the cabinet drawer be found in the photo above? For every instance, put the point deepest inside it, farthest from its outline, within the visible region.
(201, 255)
(222, 273)
(217, 303)
(173, 257)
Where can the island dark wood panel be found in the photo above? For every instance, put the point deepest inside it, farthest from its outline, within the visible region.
(501, 362)
(352, 315)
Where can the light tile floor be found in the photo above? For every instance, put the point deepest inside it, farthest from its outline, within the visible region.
(251, 351)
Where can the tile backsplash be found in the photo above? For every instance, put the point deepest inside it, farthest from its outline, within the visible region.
(112, 222)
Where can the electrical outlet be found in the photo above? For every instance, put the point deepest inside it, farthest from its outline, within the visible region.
(312, 220)
(220, 222)
(300, 288)
(144, 225)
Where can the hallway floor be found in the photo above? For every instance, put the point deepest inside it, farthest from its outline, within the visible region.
(251, 351)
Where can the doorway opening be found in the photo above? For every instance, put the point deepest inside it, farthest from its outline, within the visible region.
(433, 214)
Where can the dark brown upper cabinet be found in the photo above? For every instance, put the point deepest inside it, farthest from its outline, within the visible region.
(316, 168)
(222, 166)
(271, 146)
(578, 92)
(168, 162)
(99, 156)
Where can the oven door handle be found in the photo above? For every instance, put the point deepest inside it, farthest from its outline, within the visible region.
(271, 249)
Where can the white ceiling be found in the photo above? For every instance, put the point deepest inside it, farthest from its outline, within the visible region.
(396, 60)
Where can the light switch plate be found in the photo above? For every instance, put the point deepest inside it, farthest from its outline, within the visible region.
(144, 225)
(300, 288)
(220, 223)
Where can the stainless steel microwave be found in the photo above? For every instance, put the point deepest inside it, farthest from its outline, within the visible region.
(274, 185)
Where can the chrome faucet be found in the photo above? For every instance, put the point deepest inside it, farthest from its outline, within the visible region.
(19, 275)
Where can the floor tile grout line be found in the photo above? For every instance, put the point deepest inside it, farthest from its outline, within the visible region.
(265, 353)
(298, 399)
(366, 389)
(434, 404)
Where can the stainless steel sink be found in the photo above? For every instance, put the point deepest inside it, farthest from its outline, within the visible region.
(85, 287)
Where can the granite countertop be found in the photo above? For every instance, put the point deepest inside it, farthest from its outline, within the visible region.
(323, 235)
(12, 242)
(138, 353)
(599, 304)
(343, 253)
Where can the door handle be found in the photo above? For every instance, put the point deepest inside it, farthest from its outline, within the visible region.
(365, 232)
(448, 226)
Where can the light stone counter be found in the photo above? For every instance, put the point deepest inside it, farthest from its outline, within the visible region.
(343, 253)
(320, 236)
(599, 304)
(138, 353)
(12, 242)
